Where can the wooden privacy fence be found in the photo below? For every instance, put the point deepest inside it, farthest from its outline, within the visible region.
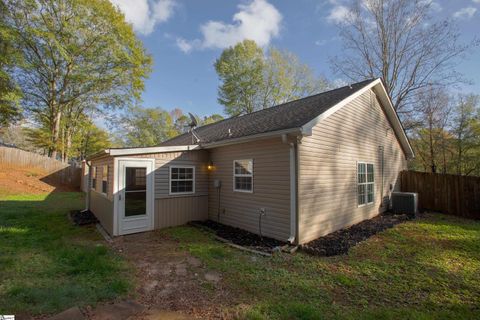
(57, 171)
(447, 193)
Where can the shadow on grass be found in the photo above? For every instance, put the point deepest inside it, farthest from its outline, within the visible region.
(47, 264)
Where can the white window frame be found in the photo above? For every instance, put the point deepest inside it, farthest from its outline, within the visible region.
(170, 180)
(94, 178)
(103, 171)
(242, 175)
(366, 183)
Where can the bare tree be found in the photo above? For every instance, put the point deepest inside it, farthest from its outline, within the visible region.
(430, 137)
(399, 41)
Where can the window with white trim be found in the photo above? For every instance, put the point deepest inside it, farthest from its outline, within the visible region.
(94, 178)
(182, 179)
(104, 179)
(365, 183)
(243, 175)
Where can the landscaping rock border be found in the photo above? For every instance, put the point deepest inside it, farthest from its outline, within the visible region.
(82, 218)
(339, 242)
(240, 237)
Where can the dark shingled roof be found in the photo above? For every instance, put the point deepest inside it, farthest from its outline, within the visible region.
(289, 115)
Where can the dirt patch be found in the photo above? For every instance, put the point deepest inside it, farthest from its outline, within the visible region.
(240, 237)
(169, 280)
(339, 242)
(21, 180)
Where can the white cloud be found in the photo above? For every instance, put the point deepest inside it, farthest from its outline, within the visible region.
(258, 20)
(339, 14)
(465, 13)
(476, 1)
(187, 46)
(144, 15)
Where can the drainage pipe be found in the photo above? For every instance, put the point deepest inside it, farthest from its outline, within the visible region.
(293, 188)
(87, 197)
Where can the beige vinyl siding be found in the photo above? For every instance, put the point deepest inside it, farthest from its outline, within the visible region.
(271, 187)
(176, 211)
(103, 210)
(327, 181)
(101, 205)
(173, 210)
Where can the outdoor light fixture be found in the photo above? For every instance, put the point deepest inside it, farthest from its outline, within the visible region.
(210, 165)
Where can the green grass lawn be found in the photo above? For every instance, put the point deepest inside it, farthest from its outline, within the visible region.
(425, 269)
(46, 263)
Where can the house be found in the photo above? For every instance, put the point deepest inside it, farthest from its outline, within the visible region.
(293, 172)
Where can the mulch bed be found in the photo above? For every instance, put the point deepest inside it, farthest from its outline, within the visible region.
(240, 237)
(339, 242)
(82, 218)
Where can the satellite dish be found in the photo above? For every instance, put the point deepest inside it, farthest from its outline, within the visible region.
(192, 124)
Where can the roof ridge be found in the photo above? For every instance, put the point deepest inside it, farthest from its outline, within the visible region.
(284, 103)
(285, 108)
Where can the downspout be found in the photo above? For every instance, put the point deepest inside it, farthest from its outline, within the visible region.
(87, 198)
(293, 189)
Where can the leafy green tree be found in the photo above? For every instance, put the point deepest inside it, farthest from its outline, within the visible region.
(211, 119)
(287, 78)
(146, 127)
(79, 56)
(10, 94)
(466, 130)
(252, 80)
(241, 71)
(89, 139)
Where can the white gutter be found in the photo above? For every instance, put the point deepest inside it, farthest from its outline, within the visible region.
(293, 189)
(249, 138)
(87, 196)
(130, 151)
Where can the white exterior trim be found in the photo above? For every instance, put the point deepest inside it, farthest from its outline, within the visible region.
(249, 138)
(170, 180)
(130, 151)
(377, 86)
(150, 191)
(242, 175)
(366, 163)
(293, 194)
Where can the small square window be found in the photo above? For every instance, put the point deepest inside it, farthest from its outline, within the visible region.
(182, 180)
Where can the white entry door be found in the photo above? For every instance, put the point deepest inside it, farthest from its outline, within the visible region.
(135, 195)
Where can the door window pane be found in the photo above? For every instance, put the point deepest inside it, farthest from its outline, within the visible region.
(135, 179)
(135, 203)
(135, 191)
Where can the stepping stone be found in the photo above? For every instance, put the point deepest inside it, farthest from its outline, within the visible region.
(69, 314)
(213, 276)
(119, 310)
(195, 262)
(181, 269)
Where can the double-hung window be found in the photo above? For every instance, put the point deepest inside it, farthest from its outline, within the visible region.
(365, 183)
(94, 178)
(182, 179)
(104, 179)
(243, 175)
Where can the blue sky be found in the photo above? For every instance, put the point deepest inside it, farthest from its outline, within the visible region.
(186, 36)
